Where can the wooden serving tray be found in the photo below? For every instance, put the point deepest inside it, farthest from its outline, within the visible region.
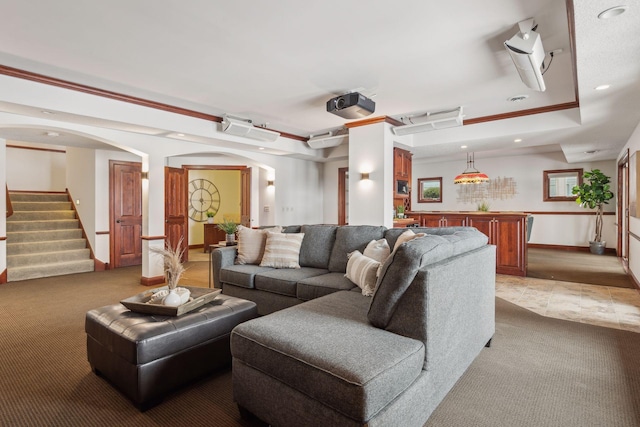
(198, 298)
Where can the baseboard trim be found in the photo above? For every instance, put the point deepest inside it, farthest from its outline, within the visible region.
(151, 281)
(99, 265)
(3, 277)
(610, 251)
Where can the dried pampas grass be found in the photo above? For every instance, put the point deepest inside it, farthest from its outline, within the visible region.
(172, 260)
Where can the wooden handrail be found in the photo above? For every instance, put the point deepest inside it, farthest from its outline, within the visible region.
(9, 205)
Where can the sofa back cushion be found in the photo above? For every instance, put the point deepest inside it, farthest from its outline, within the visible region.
(317, 244)
(392, 234)
(351, 238)
(251, 243)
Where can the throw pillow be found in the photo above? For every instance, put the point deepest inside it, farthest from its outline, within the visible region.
(251, 243)
(362, 271)
(407, 236)
(282, 250)
(378, 250)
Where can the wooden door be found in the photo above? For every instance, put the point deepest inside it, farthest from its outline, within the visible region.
(455, 220)
(484, 224)
(510, 240)
(245, 197)
(175, 209)
(126, 213)
(430, 220)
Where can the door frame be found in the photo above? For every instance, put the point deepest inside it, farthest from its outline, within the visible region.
(623, 210)
(342, 195)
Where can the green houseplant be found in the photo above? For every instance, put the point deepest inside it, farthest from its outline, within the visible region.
(400, 211)
(210, 215)
(230, 228)
(594, 193)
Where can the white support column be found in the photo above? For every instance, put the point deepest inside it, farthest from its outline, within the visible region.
(371, 151)
(152, 216)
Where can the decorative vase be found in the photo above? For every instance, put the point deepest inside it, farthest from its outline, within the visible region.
(231, 238)
(172, 299)
(210, 220)
(597, 248)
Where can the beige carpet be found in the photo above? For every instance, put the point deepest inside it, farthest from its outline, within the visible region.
(539, 371)
(579, 267)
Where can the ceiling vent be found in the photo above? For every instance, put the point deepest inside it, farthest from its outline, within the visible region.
(327, 140)
(243, 127)
(527, 53)
(429, 121)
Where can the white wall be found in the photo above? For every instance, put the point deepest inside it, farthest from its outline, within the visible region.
(633, 145)
(330, 184)
(36, 170)
(565, 230)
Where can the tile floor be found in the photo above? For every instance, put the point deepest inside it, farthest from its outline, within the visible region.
(598, 305)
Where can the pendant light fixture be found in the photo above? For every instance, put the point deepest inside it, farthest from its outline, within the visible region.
(471, 175)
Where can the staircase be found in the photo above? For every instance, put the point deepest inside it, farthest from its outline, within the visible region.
(44, 238)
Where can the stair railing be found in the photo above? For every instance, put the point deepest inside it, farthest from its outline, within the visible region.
(9, 205)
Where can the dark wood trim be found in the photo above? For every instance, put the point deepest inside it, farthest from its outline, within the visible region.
(99, 265)
(522, 113)
(151, 281)
(2, 238)
(38, 191)
(572, 42)
(342, 199)
(152, 237)
(65, 84)
(214, 167)
(374, 120)
(567, 213)
(35, 148)
(200, 246)
(611, 251)
(99, 233)
(3, 277)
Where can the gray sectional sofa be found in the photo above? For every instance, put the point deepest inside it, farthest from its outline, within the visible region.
(328, 355)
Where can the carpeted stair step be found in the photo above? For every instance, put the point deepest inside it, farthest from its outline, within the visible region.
(43, 236)
(41, 215)
(36, 259)
(47, 270)
(62, 224)
(42, 197)
(41, 206)
(38, 247)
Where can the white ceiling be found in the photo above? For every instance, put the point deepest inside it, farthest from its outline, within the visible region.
(278, 63)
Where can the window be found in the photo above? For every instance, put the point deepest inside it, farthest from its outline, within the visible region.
(430, 190)
(558, 184)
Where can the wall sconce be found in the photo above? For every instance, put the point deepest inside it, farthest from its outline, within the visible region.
(144, 175)
(364, 175)
(270, 183)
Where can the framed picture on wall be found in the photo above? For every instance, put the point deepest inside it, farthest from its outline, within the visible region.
(430, 190)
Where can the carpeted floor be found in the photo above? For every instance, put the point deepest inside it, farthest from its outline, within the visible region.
(539, 371)
(578, 267)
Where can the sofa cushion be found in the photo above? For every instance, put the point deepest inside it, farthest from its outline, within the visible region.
(398, 272)
(325, 284)
(351, 238)
(362, 271)
(251, 243)
(405, 237)
(284, 281)
(282, 250)
(378, 250)
(316, 245)
(241, 274)
(326, 349)
(392, 234)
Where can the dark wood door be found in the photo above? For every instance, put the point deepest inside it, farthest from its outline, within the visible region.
(431, 220)
(126, 213)
(510, 240)
(456, 220)
(484, 224)
(176, 209)
(245, 197)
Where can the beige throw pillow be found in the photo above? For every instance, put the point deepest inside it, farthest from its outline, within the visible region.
(362, 271)
(282, 250)
(251, 243)
(378, 250)
(406, 236)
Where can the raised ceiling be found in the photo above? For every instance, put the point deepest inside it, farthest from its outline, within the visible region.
(278, 63)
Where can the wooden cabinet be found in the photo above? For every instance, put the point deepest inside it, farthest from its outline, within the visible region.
(402, 178)
(507, 231)
(212, 235)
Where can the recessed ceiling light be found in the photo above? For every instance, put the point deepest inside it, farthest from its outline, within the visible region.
(47, 112)
(591, 152)
(463, 146)
(261, 148)
(517, 140)
(613, 12)
(52, 134)
(180, 134)
(518, 98)
(603, 87)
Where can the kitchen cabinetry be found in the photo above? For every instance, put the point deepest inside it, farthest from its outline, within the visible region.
(402, 178)
(506, 230)
(212, 235)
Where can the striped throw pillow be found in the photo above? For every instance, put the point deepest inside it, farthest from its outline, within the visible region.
(362, 271)
(282, 250)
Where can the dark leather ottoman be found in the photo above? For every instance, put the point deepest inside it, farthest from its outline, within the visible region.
(146, 356)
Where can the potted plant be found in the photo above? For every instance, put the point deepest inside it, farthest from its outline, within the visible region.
(594, 193)
(210, 215)
(230, 228)
(400, 211)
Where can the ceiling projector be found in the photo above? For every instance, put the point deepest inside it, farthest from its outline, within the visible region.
(351, 106)
(527, 53)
